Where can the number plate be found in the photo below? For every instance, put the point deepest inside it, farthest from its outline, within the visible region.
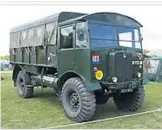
(126, 90)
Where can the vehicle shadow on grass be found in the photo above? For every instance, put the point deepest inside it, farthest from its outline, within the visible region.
(46, 95)
(102, 111)
(107, 110)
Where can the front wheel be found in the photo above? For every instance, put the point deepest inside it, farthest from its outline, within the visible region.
(130, 102)
(79, 104)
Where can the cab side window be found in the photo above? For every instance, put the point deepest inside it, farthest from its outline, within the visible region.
(66, 37)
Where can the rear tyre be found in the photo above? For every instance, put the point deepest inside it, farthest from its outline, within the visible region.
(22, 85)
(79, 104)
(130, 102)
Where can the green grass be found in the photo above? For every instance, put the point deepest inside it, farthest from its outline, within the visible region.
(45, 110)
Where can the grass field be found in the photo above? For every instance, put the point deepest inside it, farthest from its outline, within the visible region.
(45, 110)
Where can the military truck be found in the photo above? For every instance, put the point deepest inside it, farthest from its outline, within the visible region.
(85, 58)
(154, 72)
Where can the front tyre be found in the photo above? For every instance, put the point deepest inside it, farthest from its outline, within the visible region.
(22, 85)
(130, 102)
(79, 104)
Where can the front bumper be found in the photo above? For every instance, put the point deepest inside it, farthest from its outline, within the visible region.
(123, 85)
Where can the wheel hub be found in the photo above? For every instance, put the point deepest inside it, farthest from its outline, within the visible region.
(74, 100)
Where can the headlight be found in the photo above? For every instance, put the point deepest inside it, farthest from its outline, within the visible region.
(99, 74)
(114, 79)
(140, 66)
(138, 74)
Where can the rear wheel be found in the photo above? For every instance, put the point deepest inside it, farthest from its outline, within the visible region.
(22, 85)
(130, 102)
(79, 104)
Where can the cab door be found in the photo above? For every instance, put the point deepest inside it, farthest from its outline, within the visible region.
(82, 55)
(66, 51)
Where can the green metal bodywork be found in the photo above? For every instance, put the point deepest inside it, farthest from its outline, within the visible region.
(45, 51)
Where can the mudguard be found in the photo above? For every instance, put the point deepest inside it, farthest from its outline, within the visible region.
(91, 86)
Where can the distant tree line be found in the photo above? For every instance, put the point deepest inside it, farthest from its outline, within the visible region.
(6, 57)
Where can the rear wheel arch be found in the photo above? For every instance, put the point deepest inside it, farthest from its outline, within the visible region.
(16, 70)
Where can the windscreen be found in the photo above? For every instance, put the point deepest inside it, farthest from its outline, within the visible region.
(103, 35)
(129, 37)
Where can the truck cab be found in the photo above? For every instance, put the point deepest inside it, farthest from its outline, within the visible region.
(102, 47)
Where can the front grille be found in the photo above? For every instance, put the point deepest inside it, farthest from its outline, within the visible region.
(123, 66)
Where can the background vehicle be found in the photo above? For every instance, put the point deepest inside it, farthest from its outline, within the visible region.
(5, 64)
(86, 58)
(154, 72)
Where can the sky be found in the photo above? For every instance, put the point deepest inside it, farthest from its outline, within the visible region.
(15, 15)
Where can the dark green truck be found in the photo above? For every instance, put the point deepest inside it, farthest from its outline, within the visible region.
(85, 58)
